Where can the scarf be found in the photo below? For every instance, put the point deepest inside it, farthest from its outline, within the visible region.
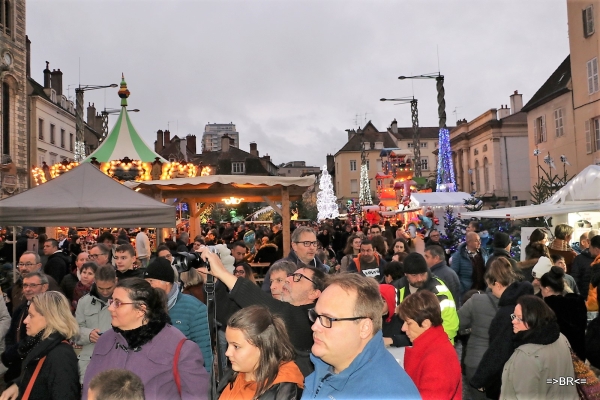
(547, 333)
(172, 295)
(29, 343)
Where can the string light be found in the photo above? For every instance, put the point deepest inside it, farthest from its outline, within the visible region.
(365, 188)
(445, 168)
(326, 200)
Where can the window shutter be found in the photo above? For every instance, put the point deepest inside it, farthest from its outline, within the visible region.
(543, 129)
(595, 74)
(536, 133)
(588, 137)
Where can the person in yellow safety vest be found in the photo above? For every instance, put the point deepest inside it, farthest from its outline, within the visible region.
(419, 277)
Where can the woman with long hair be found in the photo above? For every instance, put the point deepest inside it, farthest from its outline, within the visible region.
(243, 270)
(49, 369)
(541, 354)
(504, 284)
(570, 309)
(261, 356)
(143, 341)
(350, 252)
(533, 251)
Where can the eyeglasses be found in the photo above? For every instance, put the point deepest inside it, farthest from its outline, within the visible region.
(116, 303)
(328, 321)
(239, 272)
(298, 276)
(31, 285)
(309, 243)
(94, 256)
(26, 264)
(514, 317)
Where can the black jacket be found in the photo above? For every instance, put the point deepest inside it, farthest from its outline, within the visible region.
(58, 378)
(268, 253)
(571, 314)
(581, 271)
(57, 266)
(16, 333)
(489, 372)
(130, 273)
(68, 285)
(280, 391)
(592, 342)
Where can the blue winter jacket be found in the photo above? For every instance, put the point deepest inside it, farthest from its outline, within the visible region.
(190, 316)
(373, 374)
(461, 264)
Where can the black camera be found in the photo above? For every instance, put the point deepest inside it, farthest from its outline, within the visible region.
(183, 261)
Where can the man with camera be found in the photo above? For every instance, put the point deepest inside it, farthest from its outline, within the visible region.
(300, 293)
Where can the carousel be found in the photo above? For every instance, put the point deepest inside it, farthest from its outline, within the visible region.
(124, 156)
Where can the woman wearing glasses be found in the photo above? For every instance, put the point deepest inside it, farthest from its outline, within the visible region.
(431, 362)
(541, 353)
(49, 368)
(243, 270)
(261, 356)
(142, 341)
(502, 281)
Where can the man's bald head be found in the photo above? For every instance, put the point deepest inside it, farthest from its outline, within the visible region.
(473, 241)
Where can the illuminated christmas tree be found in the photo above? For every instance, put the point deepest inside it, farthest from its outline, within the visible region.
(365, 187)
(445, 168)
(326, 200)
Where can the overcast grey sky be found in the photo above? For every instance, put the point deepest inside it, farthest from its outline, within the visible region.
(292, 75)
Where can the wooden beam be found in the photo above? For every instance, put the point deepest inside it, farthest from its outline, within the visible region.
(273, 205)
(159, 232)
(285, 216)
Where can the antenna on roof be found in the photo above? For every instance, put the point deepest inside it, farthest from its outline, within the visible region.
(356, 120)
(455, 112)
(366, 118)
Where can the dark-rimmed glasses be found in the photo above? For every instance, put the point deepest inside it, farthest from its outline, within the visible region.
(308, 243)
(328, 321)
(297, 276)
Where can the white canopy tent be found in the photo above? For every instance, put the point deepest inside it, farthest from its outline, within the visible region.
(582, 193)
(439, 199)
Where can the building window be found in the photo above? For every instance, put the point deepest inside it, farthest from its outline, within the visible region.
(237, 168)
(475, 152)
(410, 145)
(540, 129)
(52, 139)
(368, 165)
(486, 175)
(588, 21)
(71, 141)
(353, 186)
(592, 75)
(520, 203)
(41, 129)
(62, 138)
(484, 148)
(52, 159)
(6, 16)
(424, 163)
(41, 159)
(423, 145)
(558, 122)
(352, 165)
(477, 187)
(6, 106)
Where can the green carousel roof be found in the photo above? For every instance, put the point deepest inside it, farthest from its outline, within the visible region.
(123, 140)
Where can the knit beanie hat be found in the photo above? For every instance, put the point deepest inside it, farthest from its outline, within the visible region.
(501, 240)
(388, 292)
(161, 270)
(415, 263)
(543, 266)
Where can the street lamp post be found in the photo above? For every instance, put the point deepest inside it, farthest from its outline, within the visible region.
(445, 168)
(415, 125)
(80, 135)
(105, 115)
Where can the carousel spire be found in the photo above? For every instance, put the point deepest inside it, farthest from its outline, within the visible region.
(123, 92)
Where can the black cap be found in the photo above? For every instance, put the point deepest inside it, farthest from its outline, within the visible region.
(501, 240)
(161, 270)
(415, 263)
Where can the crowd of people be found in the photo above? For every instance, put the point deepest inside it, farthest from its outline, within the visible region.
(350, 312)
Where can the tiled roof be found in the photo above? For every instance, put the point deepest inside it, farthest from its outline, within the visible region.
(368, 134)
(553, 87)
(222, 161)
(425, 132)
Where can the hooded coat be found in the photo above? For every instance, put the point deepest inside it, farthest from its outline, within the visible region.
(581, 271)
(489, 371)
(571, 315)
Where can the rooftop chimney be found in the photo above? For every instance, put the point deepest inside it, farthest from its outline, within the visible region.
(267, 157)
(183, 148)
(516, 102)
(394, 126)
(330, 162)
(159, 144)
(167, 138)
(191, 143)
(57, 81)
(47, 76)
(351, 133)
(253, 149)
(225, 141)
(91, 114)
(503, 112)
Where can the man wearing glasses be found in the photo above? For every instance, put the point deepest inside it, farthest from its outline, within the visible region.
(33, 283)
(348, 353)
(100, 254)
(299, 294)
(304, 250)
(29, 262)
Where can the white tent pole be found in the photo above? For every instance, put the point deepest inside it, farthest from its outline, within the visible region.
(15, 254)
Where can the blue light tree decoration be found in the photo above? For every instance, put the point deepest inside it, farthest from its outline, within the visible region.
(446, 181)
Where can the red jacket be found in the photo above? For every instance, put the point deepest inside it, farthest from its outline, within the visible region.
(433, 366)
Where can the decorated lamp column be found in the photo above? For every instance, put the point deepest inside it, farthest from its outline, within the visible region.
(365, 187)
(326, 200)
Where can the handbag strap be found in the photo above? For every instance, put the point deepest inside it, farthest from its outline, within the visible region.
(33, 378)
(175, 363)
